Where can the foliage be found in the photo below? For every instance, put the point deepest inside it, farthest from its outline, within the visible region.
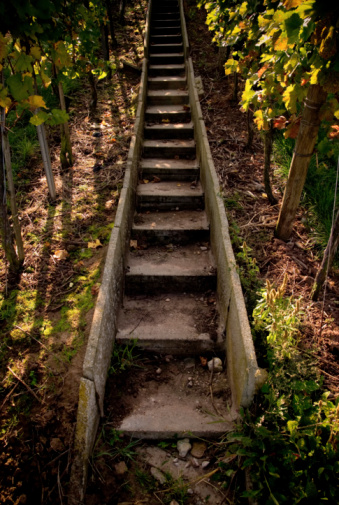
(124, 357)
(249, 276)
(280, 49)
(289, 440)
(120, 449)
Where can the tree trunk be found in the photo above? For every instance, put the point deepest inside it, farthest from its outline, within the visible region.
(235, 88)
(104, 41)
(94, 100)
(268, 143)
(5, 228)
(303, 151)
(14, 209)
(111, 24)
(250, 129)
(46, 159)
(328, 258)
(66, 155)
(122, 12)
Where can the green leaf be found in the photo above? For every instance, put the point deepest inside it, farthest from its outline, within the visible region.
(20, 89)
(39, 118)
(247, 95)
(292, 426)
(292, 27)
(58, 117)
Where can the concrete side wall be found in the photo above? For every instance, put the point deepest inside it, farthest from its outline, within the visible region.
(241, 360)
(103, 329)
(185, 42)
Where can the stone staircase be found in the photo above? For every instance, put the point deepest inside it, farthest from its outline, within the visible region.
(169, 304)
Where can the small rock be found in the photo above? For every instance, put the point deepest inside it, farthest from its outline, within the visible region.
(190, 384)
(177, 208)
(198, 449)
(183, 447)
(159, 476)
(190, 491)
(57, 445)
(203, 248)
(175, 460)
(168, 358)
(174, 502)
(158, 371)
(205, 464)
(195, 463)
(121, 468)
(168, 299)
(189, 363)
(215, 364)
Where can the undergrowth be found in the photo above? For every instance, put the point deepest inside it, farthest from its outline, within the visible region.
(288, 440)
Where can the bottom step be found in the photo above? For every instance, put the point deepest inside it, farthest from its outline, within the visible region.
(164, 399)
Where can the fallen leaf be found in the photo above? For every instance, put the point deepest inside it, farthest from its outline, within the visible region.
(156, 179)
(165, 120)
(133, 244)
(60, 254)
(94, 245)
(203, 361)
(145, 181)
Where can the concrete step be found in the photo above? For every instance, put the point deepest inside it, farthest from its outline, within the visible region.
(169, 323)
(172, 69)
(166, 58)
(166, 39)
(164, 9)
(167, 82)
(166, 30)
(178, 269)
(167, 97)
(178, 227)
(170, 195)
(169, 149)
(177, 403)
(169, 131)
(178, 170)
(166, 48)
(164, 113)
(170, 21)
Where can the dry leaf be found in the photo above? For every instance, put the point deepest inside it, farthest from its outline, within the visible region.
(133, 244)
(145, 181)
(203, 361)
(156, 179)
(94, 245)
(60, 254)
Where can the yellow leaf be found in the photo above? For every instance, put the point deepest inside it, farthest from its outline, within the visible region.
(94, 245)
(133, 244)
(145, 181)
(35, 101)
(281, 44)
(292, 4)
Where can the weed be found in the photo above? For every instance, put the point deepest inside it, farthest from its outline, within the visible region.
(145, 480)
(120, 449)
(249, 276)
(124, 357)
(176, 490)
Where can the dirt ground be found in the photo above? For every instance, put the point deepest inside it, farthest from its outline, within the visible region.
(39, 381)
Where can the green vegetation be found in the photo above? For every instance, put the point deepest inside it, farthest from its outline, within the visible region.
(124, 357)
(289, 439)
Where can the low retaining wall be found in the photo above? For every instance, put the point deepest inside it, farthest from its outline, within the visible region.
(242, 368)
(103, 330)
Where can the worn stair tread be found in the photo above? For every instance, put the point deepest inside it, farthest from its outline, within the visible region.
(166, 55)
(178, 261)
(170, 188)
(167, 93)
(178, 220)
(167, 109)
(168, 79)
(169, 130)
(159, 163)
(169, 144)
(173, 409)
(180, 67)
(164, 47)
(171, 323)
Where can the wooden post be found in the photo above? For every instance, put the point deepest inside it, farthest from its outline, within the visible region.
(303, 152)
(66, 155)
(268, 144)
(46, 158)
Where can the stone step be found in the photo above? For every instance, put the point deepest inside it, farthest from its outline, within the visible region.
(166, 48)
(166, 58)
(166, 170)
(164, 113)
(179, 269)
(167, 97)
(177, 402)
(166, 30)
(167, 82)
(166, 39)
(170, 323)
(165, 9)
(171, 69)
(169, 131)
(169, 149)
(173, 21)
(176, 227)
(169, 195)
